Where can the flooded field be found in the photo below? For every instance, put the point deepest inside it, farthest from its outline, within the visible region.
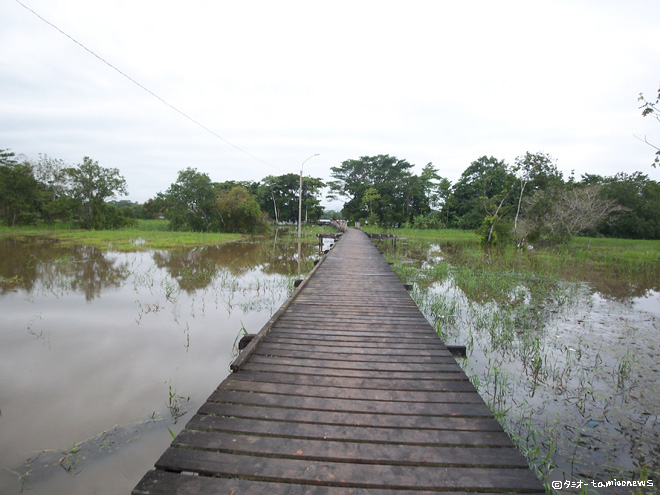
(105, 355)
(563, 346)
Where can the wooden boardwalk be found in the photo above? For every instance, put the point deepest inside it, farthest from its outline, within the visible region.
(346, 390)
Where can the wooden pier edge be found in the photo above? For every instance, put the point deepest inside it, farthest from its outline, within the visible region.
(245, 353)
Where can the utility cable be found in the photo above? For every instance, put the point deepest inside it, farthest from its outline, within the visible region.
(146, 89)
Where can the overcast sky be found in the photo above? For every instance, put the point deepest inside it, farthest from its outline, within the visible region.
(428, 81)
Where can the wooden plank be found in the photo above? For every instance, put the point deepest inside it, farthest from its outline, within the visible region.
(392, 352)
(364, 406)
(356, 357)
(353, 335)
(168, 483)
(367, 319)
(338, 433)
(411, 365)
(274, 365)
(341, 418)
(344, 393)
(350, 451)
(344, 474)
(343, 341)
(383, 326)
(438, 385)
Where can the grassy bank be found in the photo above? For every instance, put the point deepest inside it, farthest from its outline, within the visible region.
(582, 258)
(148, 234)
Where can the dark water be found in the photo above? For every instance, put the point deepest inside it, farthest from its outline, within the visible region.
(102, 354)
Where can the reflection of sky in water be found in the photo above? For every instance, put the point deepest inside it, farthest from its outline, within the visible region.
(649, 304)
(82, 351)
(600, 397)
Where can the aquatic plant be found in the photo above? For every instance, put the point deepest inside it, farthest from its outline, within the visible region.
(565, 392)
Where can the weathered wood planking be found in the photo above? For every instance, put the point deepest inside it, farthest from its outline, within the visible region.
(347, 389)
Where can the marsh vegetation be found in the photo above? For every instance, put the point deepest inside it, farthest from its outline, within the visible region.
(562, 344)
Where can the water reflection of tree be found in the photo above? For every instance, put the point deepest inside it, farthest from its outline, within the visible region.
(196, 268)
(43, 264)
(95, 271)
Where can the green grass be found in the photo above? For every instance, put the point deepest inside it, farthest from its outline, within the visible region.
(437, 235)
(582, 258)
(148, 234)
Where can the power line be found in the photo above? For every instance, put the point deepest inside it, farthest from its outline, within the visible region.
(146, 89)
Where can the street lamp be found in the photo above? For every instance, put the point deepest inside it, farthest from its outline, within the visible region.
(300, 195)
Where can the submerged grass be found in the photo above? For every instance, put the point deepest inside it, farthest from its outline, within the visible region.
(149, 234)
(570, 383)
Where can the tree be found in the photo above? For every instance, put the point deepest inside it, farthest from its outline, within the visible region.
(557, 214)
(278, 197)
(52, 173)
(538, 171)
(91, 185)
(480, 189)
(7, 157)
(369, 197)
(436, 188)
(18, 191)
(190, 202)
(390, 176)
(238, 210)
(55, 198)
(155, 207)
(640, 196)
(652, 109)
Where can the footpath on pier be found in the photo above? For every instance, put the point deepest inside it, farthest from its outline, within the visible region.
(347, 389)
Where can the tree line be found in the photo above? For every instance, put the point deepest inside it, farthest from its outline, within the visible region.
(527, 201)
(49, 191)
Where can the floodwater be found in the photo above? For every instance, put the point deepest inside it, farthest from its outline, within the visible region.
(571, 366)
(104, 355)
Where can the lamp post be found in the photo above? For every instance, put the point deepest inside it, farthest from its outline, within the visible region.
(300, 195)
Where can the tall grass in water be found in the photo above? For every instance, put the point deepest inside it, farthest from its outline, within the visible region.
(560, 388)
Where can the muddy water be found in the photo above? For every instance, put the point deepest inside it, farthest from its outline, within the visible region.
(102, 354)
(571, 367)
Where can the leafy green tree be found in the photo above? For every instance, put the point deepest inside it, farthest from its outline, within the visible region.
(154, 208)
(7, 157)
(479, 192)
(238, 211)
(19, 191)
(190, 202)
(437, 189)
(640, 197)
(369, 197)
(278, 197)
(91, 186)
(388, 175)
(226, 186)
(55, 202)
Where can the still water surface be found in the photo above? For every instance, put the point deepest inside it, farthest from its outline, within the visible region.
(102, 354)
